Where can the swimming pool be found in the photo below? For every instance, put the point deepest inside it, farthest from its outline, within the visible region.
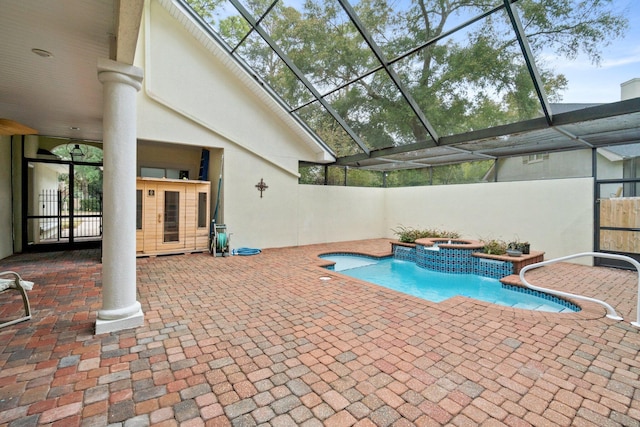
(406, 277)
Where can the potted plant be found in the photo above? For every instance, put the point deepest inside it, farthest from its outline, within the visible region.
(522, 247)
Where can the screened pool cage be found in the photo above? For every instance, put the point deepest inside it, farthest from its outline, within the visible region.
(386, 86)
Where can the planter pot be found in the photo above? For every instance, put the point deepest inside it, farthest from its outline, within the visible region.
(513, 252)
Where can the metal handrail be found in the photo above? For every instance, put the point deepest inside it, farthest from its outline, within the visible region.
(611, 312)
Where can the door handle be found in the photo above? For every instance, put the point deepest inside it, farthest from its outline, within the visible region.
(159, 218)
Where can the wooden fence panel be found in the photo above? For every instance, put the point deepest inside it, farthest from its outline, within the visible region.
(623, 212)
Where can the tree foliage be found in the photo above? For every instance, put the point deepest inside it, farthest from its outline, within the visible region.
(88, 178)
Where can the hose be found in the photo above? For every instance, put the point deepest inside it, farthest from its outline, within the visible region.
(222, 241)
(246, 251)
(215, 212)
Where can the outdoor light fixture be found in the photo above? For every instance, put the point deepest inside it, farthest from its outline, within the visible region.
(76, 153)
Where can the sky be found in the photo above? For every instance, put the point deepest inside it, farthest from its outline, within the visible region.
(621, 63)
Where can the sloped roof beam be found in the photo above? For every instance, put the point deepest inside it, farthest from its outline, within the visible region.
(571, 136)
(394, 77)
(473, 153)
(528, 58)
(258, 21)
(298, 73)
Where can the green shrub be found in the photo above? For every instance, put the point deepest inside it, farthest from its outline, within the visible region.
(410, 235)
(494, 247)
(90, 205)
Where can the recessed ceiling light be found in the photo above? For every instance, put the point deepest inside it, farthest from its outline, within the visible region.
(74, 128)
(42, 52)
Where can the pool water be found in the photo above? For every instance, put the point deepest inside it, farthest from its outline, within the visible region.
(406, 277)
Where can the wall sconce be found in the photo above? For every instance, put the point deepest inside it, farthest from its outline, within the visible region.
(76, 153)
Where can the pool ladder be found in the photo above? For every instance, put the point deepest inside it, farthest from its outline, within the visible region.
(611, 312)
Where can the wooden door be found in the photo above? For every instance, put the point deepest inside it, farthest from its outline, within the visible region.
(170, 217)
(161, 222)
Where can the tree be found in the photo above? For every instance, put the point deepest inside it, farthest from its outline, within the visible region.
(471, 79)
(88, 178)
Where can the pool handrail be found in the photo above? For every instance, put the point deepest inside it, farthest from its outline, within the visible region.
(611, 312)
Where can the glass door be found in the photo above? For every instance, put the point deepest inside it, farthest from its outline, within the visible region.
(170, 225)
(87, 202)
(171, 231)
(62, 204)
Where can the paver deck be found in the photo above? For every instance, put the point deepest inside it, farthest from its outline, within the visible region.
(262, 340)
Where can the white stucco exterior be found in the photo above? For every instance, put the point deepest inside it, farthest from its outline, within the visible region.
(555, 216)
(6, 200)
(333, 214)
(630, 89)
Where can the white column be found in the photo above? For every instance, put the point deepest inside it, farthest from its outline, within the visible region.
(120, 309)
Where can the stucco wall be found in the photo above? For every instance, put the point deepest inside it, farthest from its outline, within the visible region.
(165, 156)
(6, 233)
(332, 214)
(630, 89)
(555, 216)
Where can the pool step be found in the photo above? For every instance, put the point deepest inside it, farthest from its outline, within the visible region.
(512, 279)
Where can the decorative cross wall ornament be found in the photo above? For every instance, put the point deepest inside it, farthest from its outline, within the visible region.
(261, 186)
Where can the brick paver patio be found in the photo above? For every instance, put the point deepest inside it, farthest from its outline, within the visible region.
(262, 340)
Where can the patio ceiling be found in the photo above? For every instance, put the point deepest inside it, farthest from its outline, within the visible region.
(48, 72)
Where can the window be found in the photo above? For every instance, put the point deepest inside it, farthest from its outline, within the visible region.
(138, 209)
(534, 158)
(163, 173)
(171, 216)
(202, 210)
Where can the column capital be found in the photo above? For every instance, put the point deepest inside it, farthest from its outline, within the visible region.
(112, 71)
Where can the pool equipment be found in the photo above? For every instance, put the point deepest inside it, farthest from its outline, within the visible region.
(218, 239)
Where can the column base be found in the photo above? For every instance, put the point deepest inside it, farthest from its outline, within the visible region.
(130, 322)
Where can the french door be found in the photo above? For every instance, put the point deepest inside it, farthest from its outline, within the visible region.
(61, 207)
